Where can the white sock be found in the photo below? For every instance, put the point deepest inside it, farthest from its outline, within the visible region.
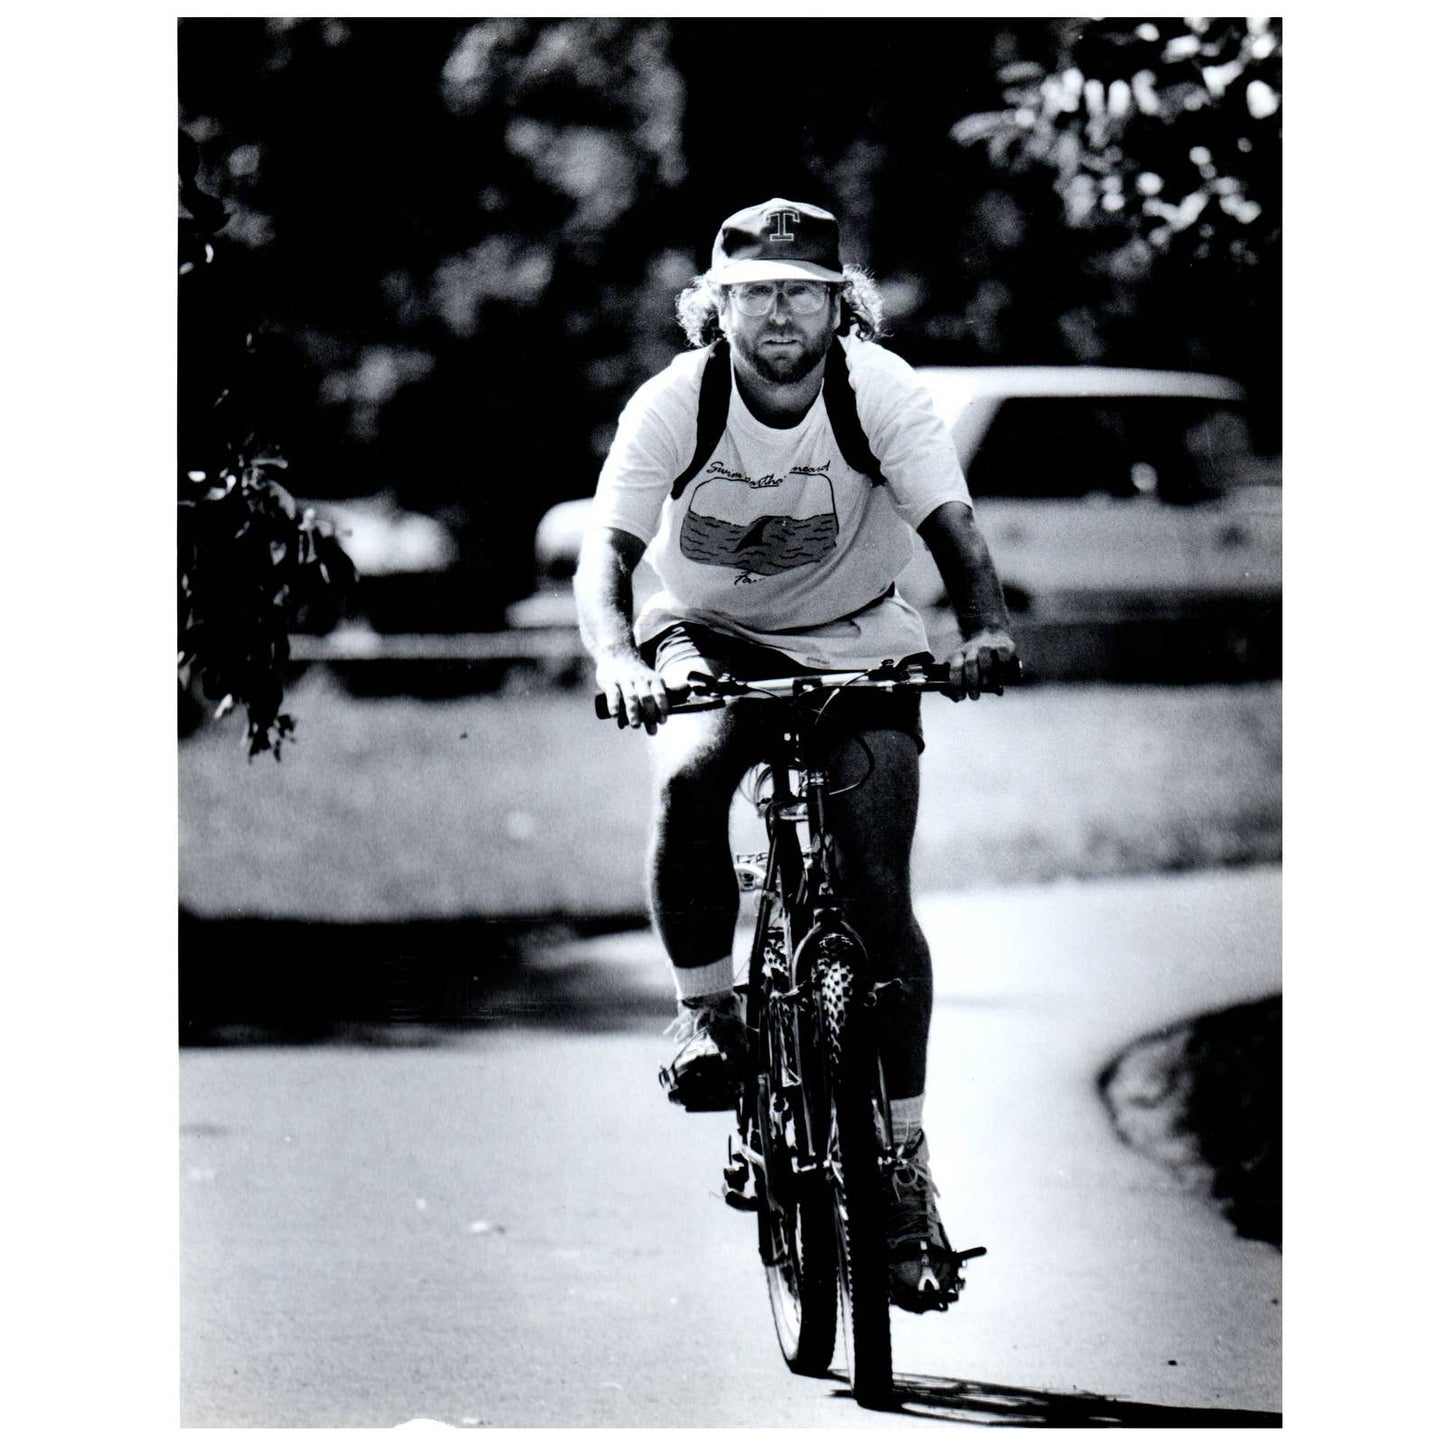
(907, 1118)
(711, 979)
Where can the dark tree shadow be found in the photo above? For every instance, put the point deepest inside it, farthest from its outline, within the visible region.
(973, 1402)
(1204, 1099)
(404, 983)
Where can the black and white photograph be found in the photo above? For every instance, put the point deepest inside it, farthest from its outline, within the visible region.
(646, 960)
(721, 861)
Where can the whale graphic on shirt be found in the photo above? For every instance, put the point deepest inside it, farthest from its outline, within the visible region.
(762, 529)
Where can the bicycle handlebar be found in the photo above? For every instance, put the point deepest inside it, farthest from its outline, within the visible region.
(705, 691)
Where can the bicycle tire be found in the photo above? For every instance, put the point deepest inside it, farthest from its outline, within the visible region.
(796, 1242)
(795, 1216)
(857, 1193)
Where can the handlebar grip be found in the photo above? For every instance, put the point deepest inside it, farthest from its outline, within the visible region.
(1005, 674)
(1010, 672)
(675, 695)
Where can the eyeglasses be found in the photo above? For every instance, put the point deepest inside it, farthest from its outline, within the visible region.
(803, 298)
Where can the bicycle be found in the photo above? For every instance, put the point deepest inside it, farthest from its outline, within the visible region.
(813, 1142)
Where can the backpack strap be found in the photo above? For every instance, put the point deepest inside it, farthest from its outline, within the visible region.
(713, 397)
(842, 406)
(839, 400)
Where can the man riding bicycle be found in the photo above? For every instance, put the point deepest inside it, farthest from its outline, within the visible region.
(774, 476)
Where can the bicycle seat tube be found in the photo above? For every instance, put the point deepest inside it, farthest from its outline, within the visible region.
(807, 804)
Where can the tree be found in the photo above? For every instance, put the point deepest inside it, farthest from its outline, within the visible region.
(249, 562)
(449, 224)
(1167, 131)
(1159, 142)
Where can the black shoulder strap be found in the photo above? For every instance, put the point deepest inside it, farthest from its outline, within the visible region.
(842, 407)
(714, 394)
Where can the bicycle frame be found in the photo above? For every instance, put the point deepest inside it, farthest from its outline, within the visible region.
(800, 886)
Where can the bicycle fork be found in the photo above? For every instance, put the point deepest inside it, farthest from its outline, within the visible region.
(775, 1143)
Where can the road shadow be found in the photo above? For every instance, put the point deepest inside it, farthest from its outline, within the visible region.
(407, 983)
(1205, 1099)
(974, 1402)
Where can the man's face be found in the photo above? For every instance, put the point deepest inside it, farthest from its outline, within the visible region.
(785, 341)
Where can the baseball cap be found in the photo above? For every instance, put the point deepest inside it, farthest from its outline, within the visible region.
(777, 241)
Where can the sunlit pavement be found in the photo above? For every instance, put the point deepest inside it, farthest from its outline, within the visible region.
(514, 1228)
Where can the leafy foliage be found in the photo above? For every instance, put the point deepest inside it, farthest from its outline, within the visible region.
(248, 565)
(1131, 200)
(448, 226)
(1168, 130)
(249, 562)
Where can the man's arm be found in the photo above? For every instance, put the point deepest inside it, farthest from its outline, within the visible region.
(603, 589)
(963, 561)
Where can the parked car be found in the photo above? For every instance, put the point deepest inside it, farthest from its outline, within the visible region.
(1106, 492)
(410, 572)
(1125, 509)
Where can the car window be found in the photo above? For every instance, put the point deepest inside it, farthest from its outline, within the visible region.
(1175, 448)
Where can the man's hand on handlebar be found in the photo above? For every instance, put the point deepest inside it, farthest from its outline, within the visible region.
(634, 692)
(984, 662)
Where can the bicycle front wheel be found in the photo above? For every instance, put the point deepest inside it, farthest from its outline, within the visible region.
(795, 1218)
(857, 1192)
(795, 1239)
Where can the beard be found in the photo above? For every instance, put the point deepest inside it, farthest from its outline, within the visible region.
(783, 368)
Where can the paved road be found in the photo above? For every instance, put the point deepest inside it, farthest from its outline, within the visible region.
(511, 1227)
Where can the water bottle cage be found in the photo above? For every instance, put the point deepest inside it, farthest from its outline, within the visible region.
(751, 870)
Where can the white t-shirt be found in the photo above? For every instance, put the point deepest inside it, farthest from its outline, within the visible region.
(777, 539)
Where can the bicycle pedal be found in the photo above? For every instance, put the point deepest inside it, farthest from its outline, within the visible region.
(694, 1103)
(878, 991)
(743, 1203)
(930, 1296)
(929, 1284)
(715, 1097)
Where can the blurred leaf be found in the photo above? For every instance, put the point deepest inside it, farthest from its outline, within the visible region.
(245, 559)
(1134, 124)
(1021, 71)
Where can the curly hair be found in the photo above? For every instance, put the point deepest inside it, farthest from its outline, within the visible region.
(862, 310)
